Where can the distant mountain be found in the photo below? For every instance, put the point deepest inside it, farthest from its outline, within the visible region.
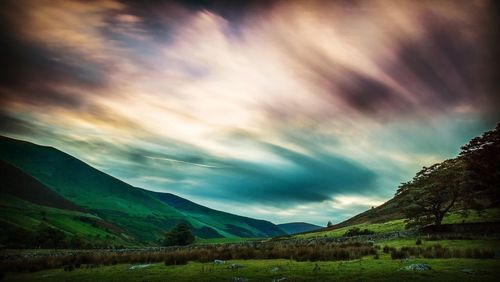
(142, 216)
(298, 227)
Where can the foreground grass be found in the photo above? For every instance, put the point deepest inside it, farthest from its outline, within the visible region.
(490, 244)
(366, 269)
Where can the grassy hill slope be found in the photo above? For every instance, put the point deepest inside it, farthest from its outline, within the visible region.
(21, 221)
(18, 184)
(140, 213)
(222, 221)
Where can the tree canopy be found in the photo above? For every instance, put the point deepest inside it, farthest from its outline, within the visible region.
(470, 181)
(433, 192)
(482, 167)
(180, 235)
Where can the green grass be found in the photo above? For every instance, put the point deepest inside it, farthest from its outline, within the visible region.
(490, 244)
(28, 216)
(366, 269)
(394, 225)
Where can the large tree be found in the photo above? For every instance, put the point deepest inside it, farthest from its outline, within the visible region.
(482, 167)
(180, 235)
(433, 192)
(471, 181)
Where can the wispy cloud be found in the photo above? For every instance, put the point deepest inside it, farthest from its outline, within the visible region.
(181, 162)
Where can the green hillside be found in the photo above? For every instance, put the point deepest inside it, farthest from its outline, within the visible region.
(141, 214)
(18, 184)
(461, 189)
(225, 223)
(21, 222)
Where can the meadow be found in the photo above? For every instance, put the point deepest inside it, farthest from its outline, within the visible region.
(365, 269)
(473, 259)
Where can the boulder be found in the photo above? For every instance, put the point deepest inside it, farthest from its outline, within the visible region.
(418, 267)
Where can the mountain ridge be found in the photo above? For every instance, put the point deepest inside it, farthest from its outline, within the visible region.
(141, 213)
(298, 227)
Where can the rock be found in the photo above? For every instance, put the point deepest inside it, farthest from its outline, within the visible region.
(139, 266)
(275, 269)
(281, 279)
(235, 266)
(418, 267)
(471, 271)
(218, 261)
(468, 271)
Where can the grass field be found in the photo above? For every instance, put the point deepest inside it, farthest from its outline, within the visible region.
(369, 268)
(492, 244)
(366, 269)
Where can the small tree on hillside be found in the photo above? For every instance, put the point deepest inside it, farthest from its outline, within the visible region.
(434, 190)
(180, 235)
(329, 224)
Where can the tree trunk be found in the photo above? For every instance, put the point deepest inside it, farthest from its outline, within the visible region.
(439, 219)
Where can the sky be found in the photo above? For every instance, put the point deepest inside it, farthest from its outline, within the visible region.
(279, 110)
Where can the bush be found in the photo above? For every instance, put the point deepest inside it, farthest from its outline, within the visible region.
(418, 242)
(49, 237)
(395, 254)
(388, 249)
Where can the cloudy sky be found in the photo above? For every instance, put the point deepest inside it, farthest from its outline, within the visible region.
(286, 111)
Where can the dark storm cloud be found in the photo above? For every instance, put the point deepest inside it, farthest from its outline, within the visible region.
(443, 67)
(446, 65)
(161, 18)
(32, 73)
(368, 95)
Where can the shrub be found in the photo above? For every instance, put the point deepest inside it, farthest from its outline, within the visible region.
(181, 255)
(418, 242)
(388, 249)
(49, 237)
(395, 254)
(355, 231)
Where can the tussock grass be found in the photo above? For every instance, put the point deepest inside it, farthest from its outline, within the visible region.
(208, 253)
(438, 251)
